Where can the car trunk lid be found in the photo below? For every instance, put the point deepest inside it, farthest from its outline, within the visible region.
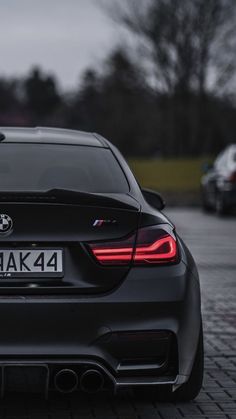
(67, 221)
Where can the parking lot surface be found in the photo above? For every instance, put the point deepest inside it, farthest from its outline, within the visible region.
(213, 243)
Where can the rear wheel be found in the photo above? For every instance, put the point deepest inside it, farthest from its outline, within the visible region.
(188, 391)
(205, 204)
(221, 208)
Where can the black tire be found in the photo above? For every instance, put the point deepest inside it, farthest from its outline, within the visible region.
(220, 205)
(206, 207)
(188, 391)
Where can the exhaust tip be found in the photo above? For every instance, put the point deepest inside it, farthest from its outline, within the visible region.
(66, 381)
(92, 381)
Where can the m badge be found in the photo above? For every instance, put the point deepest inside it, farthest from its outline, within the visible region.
(103, 223)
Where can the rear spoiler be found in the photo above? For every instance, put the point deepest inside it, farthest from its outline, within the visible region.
(122, 201)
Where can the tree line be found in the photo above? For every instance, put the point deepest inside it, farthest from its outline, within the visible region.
(169, 93)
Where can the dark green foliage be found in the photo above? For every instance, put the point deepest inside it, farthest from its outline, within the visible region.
(41, 95)
(119, 103)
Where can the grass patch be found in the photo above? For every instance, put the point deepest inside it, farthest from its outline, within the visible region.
(169, 175)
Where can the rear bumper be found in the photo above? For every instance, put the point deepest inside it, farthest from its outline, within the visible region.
(39, 376)
(143, 333)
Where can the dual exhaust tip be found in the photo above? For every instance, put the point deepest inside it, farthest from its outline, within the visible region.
(67, 381)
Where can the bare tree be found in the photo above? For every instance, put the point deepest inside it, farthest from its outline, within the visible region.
(189, 43)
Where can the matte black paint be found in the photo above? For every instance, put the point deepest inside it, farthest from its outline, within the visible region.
(87, 318)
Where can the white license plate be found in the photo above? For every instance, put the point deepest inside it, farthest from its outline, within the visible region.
(19, 263)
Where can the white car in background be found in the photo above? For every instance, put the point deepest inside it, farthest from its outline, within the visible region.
(218, 185)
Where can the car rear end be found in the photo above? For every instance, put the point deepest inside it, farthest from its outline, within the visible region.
(97, 291)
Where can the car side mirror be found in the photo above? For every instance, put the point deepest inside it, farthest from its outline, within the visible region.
(154, 199)
(207, 166)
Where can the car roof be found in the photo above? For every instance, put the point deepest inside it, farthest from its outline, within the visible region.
(51, 136)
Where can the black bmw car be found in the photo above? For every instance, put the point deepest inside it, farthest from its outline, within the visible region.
(97, 290)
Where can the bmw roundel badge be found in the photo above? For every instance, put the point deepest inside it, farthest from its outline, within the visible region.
(6, 224)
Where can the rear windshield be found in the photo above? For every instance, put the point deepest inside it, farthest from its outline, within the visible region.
(40, 167)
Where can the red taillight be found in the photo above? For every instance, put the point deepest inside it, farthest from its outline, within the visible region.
(155, 245)
(161, 251)
(232, 177)
(114, 253)
(110, 255)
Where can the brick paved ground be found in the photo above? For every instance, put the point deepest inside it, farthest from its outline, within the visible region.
(213, 243)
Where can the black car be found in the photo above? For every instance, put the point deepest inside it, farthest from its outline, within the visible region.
(97, 290)
(218, 185)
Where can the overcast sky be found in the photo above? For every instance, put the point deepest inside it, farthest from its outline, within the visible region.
(62, 36)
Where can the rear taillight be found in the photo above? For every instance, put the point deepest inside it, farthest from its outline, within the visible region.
(154, 245)
(232, 177)
(114, 252)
